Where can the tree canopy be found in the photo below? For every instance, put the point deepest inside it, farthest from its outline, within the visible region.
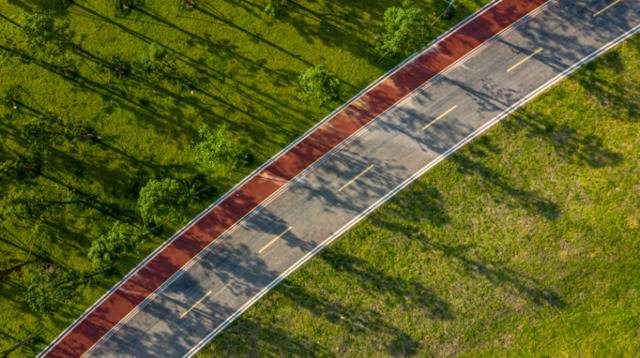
(405, 31)
(316, 83)
(159, 200)
(106, 249)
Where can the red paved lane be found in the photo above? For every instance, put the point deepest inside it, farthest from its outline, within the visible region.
(354, 116)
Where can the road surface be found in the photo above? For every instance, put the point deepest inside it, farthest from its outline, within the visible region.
(344, 168)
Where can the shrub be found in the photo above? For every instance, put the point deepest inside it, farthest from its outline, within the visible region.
(160, 199)
(405, 31)
(316, 83)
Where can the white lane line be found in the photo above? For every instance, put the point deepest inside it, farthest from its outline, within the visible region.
(356, 178)
(274, 240)
(537, 51)
(440, 117)
(408, 181)
(606, 8)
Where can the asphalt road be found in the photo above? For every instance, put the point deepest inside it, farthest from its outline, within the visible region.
(400, 145)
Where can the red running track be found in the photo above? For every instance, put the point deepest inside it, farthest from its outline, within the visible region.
(123, 300)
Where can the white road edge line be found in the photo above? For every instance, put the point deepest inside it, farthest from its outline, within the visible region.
(408, 181)
(339, 147)
(155, 252)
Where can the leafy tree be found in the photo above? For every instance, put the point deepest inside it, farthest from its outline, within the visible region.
(49, 289)
(316, 83)
(217, 148)
(160, 199)
(106, 249)
(405, 31)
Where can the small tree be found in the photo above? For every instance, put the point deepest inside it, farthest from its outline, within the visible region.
(217, 148)
(159, 199)
(106, 249)
(49, 289)
(316, 83)
(405, 31)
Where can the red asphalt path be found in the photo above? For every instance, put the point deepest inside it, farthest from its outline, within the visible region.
(378, 99)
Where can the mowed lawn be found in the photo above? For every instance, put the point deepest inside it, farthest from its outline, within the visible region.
(244, 65)
(524, 243)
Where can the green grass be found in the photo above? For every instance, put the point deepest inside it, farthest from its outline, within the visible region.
(524, 243)
(245, 66)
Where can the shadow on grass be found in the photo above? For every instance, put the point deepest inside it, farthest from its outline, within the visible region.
(569, 144)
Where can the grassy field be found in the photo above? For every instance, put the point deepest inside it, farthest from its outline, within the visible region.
(243, 67)
(524, 243)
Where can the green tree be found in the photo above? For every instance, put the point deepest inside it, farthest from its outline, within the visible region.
(160, 200)
(49, 289)
(316, 83)
(106, 249)
(217, 148)
(405, 31)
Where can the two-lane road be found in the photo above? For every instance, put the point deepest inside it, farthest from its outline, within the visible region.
(382, 157)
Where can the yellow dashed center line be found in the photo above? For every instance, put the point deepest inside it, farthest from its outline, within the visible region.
(606, 8)
(355, 178)
(274, 240)
(537, 51)
(440, 117)
(183, 314)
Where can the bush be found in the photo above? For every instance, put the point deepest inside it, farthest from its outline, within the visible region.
(405, 31)
(106, 249)
(218, 148)
(159, 200)
(47, 290)
(316, 83)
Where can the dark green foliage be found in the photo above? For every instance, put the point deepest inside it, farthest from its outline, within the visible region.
(119, 67)
(11, 97)
(19, 204)
(274, 7)
(405, 31)
(25, 167)
(219, 148)
(161, 200)
(106, 249)
(45, 33)
(49, 289)
(318, 84)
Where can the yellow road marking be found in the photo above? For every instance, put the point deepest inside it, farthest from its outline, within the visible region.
(607, 8)
(356, 178)
(183, 314)
(440, 117)
(537, 51)
(274, 240)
